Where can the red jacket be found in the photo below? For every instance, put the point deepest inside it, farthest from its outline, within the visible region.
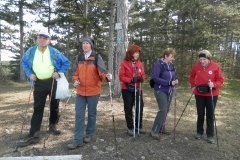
(199, 75)
(126, 72)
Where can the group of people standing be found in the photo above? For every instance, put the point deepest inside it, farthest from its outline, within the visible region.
(205, 80)
(43, 63)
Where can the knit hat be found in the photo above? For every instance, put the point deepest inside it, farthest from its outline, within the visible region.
(85, 39)
(45, 34)
(205, 54)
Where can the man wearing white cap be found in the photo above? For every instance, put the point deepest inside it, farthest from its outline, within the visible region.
(42, 65)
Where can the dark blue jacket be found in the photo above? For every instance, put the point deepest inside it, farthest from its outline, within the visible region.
(163, 83)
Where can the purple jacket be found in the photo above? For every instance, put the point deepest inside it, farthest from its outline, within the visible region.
(163, 83)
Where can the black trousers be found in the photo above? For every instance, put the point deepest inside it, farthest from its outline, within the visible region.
(129, 101)
(205, 103)
(42, 89)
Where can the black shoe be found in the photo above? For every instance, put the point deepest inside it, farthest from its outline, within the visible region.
(28, 141)
(53, 129)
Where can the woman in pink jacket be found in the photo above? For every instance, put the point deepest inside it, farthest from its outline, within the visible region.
(131, 73)
(205, 79)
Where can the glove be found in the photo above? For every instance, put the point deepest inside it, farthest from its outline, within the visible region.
(134, 80)
(140, 79)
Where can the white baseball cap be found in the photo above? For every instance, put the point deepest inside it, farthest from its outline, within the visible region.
(45, 34)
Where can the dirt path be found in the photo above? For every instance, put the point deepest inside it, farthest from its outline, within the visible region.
(13, 98)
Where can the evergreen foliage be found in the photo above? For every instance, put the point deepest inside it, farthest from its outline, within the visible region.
(185, 25)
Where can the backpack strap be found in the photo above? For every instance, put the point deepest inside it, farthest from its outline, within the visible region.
(96, 59)
(81, 57)
(162, 69)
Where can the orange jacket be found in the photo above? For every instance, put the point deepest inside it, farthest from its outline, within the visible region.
(89, 75)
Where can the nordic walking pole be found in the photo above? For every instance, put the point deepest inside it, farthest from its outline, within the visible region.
(214, 115)
(50, 99)
(175, 108)
(183, 110)
(139, 106)
(65, 105)
(134, 121)
(25, 115)
(111, 106)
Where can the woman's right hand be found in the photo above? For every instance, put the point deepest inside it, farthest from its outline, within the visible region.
(76, 83)
(193, 89)
(175, 82)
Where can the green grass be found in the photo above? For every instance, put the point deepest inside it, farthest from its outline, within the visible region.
(231, 88)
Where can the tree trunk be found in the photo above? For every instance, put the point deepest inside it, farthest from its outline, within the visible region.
(1, 53)
(111, 38)
(21, 24)
(85, 32)
(49, 14)
(122, 40)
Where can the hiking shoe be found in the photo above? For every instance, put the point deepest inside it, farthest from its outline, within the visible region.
(53, 129)
(28, 141)
(210, 140)
(130, 132)
(165, 132)
(74, 146)
(198, 136)
(142, 131)
(87, 139)
(154, 135)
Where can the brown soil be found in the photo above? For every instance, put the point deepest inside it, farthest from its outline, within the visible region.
(14, 101)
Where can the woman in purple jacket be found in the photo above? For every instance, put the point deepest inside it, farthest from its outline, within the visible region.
(165, 79)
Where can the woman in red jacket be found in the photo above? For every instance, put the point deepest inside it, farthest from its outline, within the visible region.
(205, 79)
(132, 74)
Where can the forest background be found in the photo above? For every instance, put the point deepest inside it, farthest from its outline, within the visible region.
(188, 26)
(185, 25)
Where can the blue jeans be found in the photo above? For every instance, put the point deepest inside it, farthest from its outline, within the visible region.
(80, 107)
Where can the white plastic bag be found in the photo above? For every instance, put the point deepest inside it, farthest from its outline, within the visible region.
(62, 91)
